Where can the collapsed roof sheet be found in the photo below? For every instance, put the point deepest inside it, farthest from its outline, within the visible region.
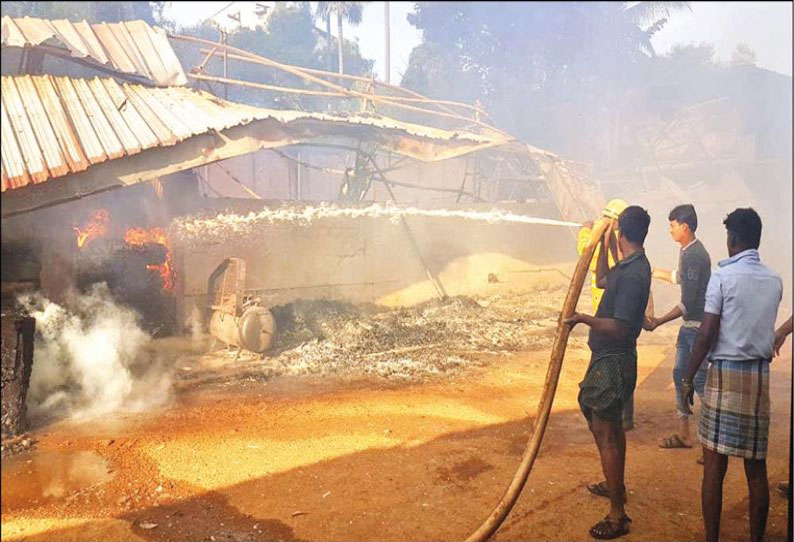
(54, 126)
(132, 48)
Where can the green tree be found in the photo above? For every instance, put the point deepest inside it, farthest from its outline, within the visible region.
(536, 65)
(743, 56)
(289, 36)
(323, 13)
(351, 12)
(93, 12)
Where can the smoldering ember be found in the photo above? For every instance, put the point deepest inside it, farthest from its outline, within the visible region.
(384, 271)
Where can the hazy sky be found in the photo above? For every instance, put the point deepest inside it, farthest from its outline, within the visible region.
(764, 26)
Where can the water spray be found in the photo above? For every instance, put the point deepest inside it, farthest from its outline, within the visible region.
(194, 229)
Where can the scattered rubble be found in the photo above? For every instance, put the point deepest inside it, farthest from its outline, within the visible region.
(433, 338)
(14, 445)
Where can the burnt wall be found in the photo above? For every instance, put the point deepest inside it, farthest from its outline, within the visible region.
(16, 347)
(373, 259)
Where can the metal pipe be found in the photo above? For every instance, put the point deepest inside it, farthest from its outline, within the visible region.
(502, 509)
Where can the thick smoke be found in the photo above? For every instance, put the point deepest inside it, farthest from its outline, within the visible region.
(91, 357)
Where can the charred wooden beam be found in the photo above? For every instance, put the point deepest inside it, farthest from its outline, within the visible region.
(16, 346)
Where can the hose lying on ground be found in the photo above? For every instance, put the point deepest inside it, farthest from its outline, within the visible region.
(498, 515)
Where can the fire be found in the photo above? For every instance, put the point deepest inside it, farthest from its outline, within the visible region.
(140, 237)
(96, 227)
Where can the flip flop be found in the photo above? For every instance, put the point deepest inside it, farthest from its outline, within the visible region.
(607, 530)
(601, 490)
(673, 441)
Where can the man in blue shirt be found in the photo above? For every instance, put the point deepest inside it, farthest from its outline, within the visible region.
(737, 334)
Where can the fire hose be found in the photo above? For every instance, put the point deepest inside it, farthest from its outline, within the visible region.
(502, 509)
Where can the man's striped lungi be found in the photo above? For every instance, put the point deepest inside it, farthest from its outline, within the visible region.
(734, 419)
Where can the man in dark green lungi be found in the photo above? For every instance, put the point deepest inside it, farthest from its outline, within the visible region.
(612, 373)
(738, 337)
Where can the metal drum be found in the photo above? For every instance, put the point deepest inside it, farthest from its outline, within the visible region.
(257, 327)
(253, 331)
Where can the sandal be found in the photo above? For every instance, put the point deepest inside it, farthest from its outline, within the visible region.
(673, 441)
(607, 530)
(601, 489)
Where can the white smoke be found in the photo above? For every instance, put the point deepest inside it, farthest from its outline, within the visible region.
(90, 357)
(195, 325)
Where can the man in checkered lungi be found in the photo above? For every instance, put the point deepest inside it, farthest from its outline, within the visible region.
(737, 334)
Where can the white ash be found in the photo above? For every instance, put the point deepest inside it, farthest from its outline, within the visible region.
(437, 337)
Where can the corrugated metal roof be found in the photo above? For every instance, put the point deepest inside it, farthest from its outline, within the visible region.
(133, 47)
(53, 126)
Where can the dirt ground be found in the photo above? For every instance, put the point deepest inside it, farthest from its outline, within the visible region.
(318, 458)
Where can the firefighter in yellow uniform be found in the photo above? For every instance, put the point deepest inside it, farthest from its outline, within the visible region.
(612, 210)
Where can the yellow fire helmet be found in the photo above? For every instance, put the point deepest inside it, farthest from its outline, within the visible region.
(614, 207)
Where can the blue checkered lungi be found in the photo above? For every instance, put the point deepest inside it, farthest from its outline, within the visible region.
(734, 418)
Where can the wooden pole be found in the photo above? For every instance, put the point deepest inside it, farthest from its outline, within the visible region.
(352, 93)
(387, 33)
(225, 63)
(417, 98)
(262, 86)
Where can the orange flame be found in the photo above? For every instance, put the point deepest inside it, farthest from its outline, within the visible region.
(140, 237)
(96, 227)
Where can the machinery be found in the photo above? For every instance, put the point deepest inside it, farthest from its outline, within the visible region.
(235, 318)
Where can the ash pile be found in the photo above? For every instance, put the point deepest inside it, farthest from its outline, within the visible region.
(435, 337)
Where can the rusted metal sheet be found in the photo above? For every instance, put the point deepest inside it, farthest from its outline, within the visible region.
(130, 48)
(54, 126)
(78, 117)
(13, 162)
(21, 129)
(61, 125)
(53, 158)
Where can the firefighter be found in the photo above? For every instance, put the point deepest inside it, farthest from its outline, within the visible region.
(612, 210)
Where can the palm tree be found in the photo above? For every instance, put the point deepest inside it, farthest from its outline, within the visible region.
(654, 13)
(324, 12)
(345, 11)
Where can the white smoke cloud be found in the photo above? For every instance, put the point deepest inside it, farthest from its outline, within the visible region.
(90, 357)
(195, 325)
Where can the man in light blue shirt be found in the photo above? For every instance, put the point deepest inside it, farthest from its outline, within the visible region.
(737, 334)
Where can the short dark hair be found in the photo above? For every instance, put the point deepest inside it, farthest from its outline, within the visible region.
(685, 214)
(633, 223)
(745, 225)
